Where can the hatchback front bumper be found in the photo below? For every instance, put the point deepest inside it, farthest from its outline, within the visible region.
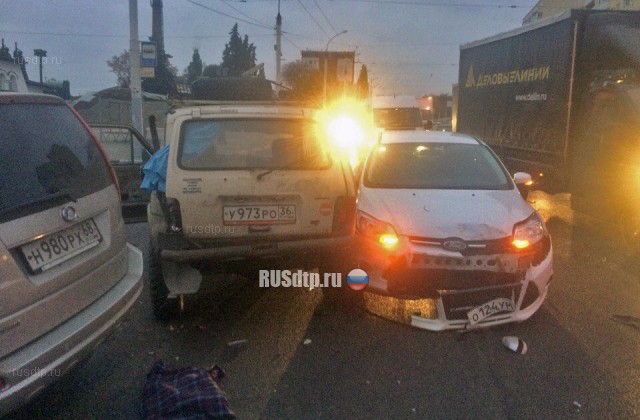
(454, 283)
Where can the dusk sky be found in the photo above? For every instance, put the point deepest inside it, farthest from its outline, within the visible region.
(410, 47)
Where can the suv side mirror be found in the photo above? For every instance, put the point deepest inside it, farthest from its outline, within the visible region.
(523, 182)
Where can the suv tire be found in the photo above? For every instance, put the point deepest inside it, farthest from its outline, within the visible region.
(164, 307)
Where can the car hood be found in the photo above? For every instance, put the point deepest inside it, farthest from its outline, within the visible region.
(466, 214)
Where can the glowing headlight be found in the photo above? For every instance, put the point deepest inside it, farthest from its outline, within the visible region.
(345, 131)
(528, 232)
(374, 229)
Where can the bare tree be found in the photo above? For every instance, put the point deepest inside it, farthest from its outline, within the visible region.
(121, 66)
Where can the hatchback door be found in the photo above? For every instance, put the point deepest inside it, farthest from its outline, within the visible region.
(128, 151)
(241, 178)
(62, 242)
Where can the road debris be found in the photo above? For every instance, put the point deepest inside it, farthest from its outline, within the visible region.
(515, 344)
(171, 392)
(307, 342)
(577, 404)
(237, 344)
(631, 321)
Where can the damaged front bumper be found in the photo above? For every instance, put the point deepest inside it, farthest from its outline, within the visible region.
(443, 286)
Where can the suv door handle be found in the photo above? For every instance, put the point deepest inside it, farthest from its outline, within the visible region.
(254, 228)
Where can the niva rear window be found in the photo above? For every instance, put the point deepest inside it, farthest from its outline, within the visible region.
(47, 158)
(251, 144)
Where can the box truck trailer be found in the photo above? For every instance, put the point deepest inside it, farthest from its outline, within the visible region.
(560, 99)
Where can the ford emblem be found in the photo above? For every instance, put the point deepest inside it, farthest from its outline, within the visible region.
(454, 244)
(69, 213)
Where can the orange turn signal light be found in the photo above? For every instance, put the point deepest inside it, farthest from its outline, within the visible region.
(520, 243)
(528, 183)
(389, 240)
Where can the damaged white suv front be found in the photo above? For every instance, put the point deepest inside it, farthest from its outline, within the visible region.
(440, 219)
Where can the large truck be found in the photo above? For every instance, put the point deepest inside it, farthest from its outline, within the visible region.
(560, 99)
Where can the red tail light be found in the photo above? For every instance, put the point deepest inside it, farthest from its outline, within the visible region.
(103, 152)
(344, 216)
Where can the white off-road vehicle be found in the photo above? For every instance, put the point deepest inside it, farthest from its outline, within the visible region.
(249, 186)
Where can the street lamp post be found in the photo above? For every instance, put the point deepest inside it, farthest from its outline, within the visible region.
(326, 58)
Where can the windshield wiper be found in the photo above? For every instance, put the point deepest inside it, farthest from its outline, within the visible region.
(288, 165)
(47, 198)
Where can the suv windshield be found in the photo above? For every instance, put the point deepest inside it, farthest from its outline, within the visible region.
(435, 166)
(397, 117)
(251, 144)
(47, 153)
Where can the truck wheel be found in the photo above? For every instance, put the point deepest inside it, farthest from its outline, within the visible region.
(164, 308)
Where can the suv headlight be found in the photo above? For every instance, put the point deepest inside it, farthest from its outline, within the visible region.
(374, 229)
(529, 231)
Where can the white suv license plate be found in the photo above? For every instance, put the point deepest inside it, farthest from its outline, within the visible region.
(492, 307)
(58, 247)
(259, 215)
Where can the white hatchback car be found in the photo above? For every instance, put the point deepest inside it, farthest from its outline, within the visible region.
(439, 217)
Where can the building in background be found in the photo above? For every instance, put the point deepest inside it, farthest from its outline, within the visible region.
(14, 77)
(340, 68)
(547, 8)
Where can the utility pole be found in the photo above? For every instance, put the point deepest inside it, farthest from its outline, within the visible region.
(278, 48)
(134, 60)
(40, 54)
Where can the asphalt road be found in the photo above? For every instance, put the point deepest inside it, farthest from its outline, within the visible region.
(580, 362)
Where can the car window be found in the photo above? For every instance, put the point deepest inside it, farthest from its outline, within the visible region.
(46, 151)
(121, 145)
(435, 166)
(250, 144)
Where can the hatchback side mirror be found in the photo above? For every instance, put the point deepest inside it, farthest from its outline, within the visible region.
(523, 182)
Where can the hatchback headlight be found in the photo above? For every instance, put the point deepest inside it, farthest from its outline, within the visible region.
(376, 230)
(529, 231)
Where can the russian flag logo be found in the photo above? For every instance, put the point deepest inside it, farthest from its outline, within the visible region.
(357, 279)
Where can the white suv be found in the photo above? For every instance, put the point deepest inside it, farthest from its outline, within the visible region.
(248, 186)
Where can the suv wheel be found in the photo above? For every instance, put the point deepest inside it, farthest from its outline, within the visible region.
(164, 308)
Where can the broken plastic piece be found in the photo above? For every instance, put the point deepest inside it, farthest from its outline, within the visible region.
(515, 344)
(237, 343)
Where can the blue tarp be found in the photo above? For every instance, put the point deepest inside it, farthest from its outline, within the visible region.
(155, 171)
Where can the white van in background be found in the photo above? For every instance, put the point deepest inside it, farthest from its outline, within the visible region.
(396, 113)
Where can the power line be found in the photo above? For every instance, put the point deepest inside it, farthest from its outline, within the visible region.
(325, 16)
(314, 19)
(291, 42)
(228, 15)
(242, 13)
(88, 35)
(416, 3)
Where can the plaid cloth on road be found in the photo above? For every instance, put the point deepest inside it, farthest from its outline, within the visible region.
(184, 393)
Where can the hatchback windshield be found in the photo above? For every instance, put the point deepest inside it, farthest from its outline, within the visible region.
(435, 166)
(47, 156)
(251, 144)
